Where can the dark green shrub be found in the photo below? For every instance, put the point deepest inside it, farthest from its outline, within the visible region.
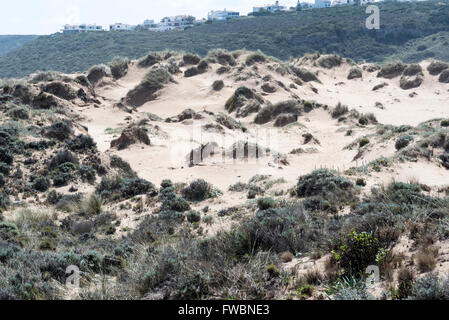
(203, 66)
(355, 73)
(360, 182)
(2, 180)
(60, 90)
(135, 186)
(4, 201)
(87, 173)
(41, 184)
(191, 72)
(330, 61)
(8, 230)
(19, 113)
(320, 182)
(444, 76)
(304, 74)
(62, 157)
(270, 112)
(154, 80)
(198, 190)
(178, 204)
(266, 203)
(60, 130)
(403, 142)
(166, 184)
(317, 204)
(191, 59)
(5, 168)
(255, 58)
(172, 215)
(218, 85)
(392, 70)
(6, 156)
(193, 217)
(436, 67)
(149, 60)
(81, 143)
(339, 111)
(412, 70)
(363, 142)
(444, 123)
(98, 72)
(119, 67)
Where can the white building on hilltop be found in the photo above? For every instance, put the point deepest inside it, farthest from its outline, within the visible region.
(121, 27)
(174, 23)
(222, 15)
(81, 28)
(270, 8)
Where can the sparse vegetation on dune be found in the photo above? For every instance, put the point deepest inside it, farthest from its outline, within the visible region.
(146, 90)
(300, 229)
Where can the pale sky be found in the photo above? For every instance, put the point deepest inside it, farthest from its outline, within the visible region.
(48, 16)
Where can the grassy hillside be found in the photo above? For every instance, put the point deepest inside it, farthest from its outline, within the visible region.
(435, 46)
(333, 30)
(9, 43)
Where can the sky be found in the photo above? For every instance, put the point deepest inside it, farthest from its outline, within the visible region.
(48, 16)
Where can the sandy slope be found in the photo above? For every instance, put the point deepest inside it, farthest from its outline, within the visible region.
(156, 162)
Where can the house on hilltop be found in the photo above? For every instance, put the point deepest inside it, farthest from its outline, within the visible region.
(222, 15)
(121, 27)
(270, 8)
(68, 29)
(175, 22)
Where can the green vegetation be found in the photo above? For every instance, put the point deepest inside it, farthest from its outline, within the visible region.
(9, 43)
(405, 29)
(153, 81)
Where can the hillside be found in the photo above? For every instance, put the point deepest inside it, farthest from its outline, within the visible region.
(9, 43)
(338, 30)
(235, 176)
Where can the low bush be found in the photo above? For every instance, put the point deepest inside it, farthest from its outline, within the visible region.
(119, 67)
(330, 61)
(218, 85)
(118, 188)
(154, 80)
(323, 182)
(98, 72)
(354, 252)
(149, 60)
(60, 130)
(41, 184)
(198, 190)
(255, 58)
(392, 70)
(62, 157)
(266, 203)
(191, 59)
(339, 111)
(87, 173)
(403, 142)
(436, 67)
(363, 142)
(194, 217)
(81, 143)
